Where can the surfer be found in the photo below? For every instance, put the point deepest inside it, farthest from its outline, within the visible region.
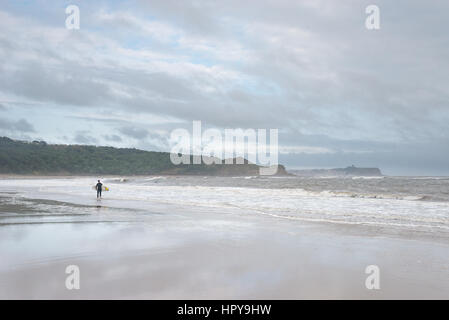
(99, 187)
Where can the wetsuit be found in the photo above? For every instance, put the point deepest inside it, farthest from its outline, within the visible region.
(99, 187)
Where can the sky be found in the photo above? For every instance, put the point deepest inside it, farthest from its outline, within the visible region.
(338, 93)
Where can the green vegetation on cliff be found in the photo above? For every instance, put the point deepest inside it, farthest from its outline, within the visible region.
(40, 158)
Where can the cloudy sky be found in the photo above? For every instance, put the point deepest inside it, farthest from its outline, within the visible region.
(339, 94)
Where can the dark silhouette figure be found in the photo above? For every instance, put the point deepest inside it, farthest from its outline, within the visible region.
(99, 187)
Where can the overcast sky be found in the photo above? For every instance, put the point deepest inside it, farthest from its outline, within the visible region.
(339, 94)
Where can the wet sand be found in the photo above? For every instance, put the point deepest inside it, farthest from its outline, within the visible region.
(172, 252)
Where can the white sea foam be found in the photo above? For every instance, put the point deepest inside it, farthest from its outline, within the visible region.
(368, 177)
(288, 203)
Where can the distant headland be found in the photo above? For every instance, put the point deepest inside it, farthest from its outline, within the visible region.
(348, 171)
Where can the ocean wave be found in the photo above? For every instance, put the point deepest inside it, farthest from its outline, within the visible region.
(368, 177)
(349, 207)
(373, 196)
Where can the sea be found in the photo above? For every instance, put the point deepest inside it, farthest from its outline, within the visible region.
(419, 204)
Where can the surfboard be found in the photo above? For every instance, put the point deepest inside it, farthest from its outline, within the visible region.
(103, 188)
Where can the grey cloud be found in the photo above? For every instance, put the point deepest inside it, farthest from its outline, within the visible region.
(21, 125)
(84, 137)
(112, 138)
(296, 137)
(133, 132)
(65, 86)
(198, 17)
(410, 159)
(24, 126)
(312, 70)
(100, 119)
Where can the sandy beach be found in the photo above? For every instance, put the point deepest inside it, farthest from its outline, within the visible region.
(244, 149)
(131, 247)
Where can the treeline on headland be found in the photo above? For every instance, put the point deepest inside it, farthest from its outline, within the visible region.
(40, 158)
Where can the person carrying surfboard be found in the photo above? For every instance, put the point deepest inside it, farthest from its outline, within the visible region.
(99, 187)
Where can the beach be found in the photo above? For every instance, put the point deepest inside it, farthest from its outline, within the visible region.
(223, 238)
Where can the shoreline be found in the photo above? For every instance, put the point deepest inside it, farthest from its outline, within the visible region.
(355, 229)
(233, 257)
(154, 248)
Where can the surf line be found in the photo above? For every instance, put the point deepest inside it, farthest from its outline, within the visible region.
(204, 311)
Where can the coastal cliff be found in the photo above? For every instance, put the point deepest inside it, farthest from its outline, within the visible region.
(40, 158)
